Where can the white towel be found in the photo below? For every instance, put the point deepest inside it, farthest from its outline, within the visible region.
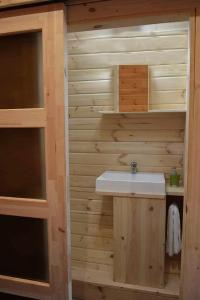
(173, 231)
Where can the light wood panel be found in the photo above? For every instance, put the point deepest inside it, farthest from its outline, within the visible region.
(91, 70)
(139, 223)
(158, 28)
(23, 118)
(190, 265)
(127, 135)
(93, 284)
(57, 151)
(145, 42)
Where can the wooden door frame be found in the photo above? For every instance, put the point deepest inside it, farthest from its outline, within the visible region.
(51, 21)
(190, 275)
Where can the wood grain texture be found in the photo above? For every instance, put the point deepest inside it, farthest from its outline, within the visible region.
(86, 286)
(100, 14)
(133, 88)
(57, 151)
(139, 223)
(190, 264)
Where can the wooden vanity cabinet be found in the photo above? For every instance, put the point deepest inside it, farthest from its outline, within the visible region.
(139, 240)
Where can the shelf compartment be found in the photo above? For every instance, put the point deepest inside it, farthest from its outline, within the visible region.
(22, 163)
(6, 296)
(174, 190)
(21, 73)
(23, 251)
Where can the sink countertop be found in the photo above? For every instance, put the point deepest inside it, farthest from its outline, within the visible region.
(132, 185)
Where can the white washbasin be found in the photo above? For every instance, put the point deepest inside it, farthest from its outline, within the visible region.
(126, 183)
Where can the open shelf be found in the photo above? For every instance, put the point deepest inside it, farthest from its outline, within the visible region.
(21, 71)
(22, 163)
(103, 279)
(23, 251)
(174, 190)
(173, 263)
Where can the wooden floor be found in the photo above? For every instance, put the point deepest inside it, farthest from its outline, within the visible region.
(100, 278)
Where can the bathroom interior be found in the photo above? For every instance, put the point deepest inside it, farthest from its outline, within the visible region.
(103, 138)
(120, 230)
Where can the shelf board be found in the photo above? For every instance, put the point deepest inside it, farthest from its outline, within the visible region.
(111, 112)
(23, 118)
(105, 279)
(174, 190)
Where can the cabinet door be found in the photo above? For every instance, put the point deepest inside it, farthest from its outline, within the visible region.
(139, 239)
(33, 189)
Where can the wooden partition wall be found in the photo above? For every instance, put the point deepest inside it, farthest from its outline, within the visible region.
(33, 219)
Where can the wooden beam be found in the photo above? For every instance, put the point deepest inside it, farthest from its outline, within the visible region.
(84, 15)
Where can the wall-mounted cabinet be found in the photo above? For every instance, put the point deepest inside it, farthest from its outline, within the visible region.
(131, 88)
(132, 91)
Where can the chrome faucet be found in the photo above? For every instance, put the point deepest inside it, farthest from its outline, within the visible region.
(134, 167)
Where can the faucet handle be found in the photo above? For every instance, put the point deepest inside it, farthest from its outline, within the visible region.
(134, 166)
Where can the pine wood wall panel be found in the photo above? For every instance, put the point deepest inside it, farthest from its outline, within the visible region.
(99, 143)
(92, 57)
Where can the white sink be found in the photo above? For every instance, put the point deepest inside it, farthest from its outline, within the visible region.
(126, 183)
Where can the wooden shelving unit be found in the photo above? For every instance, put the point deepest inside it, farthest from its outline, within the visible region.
(33, 253)
(107, 112)
(174, 190)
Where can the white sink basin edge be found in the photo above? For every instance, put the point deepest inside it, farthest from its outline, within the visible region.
(126, 183)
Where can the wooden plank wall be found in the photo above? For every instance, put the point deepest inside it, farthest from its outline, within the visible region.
(99, 143)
